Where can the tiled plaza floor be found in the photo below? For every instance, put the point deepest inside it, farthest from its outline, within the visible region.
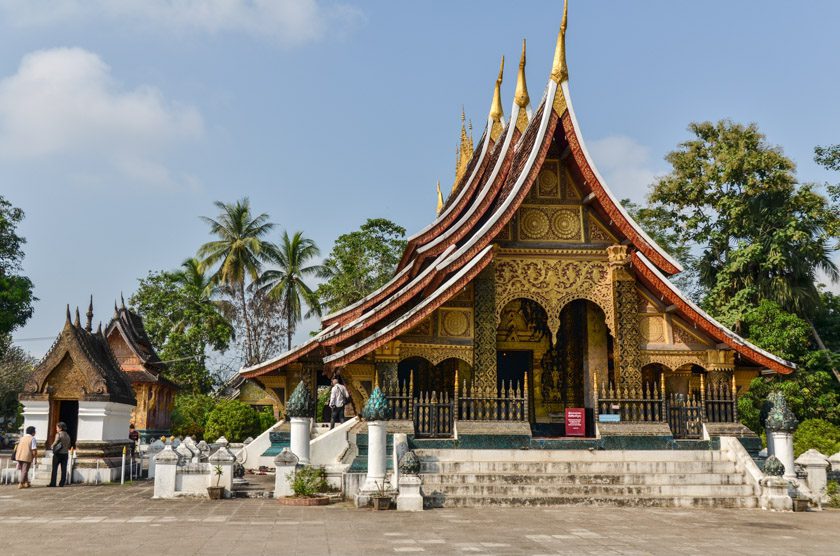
(125, 520)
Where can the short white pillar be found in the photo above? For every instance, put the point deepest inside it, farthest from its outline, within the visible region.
(835, 462)
(377, 457)
(774, 494)
(166, 465)
(300, 438)
(284, 469)
(225, 459)
(152, 451)
(816, 465)
(409, 498)
(783, 445)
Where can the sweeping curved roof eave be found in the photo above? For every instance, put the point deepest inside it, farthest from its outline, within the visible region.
(642, 241)
(419, 311)
(657, 281)
(286, 357)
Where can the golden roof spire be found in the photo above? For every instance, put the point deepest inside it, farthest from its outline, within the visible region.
(521, 95)
(496, 111)
(464, 151)
(559, 70)
(439, 199)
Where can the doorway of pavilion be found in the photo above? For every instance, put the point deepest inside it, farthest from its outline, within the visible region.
(560, 363)
(68, 412)
(427, 393)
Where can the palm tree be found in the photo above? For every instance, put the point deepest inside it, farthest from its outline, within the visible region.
(193, 274)
(239, 252)
(286, 282)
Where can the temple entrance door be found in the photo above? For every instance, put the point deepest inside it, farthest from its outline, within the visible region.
(512, 366)
(68, 411)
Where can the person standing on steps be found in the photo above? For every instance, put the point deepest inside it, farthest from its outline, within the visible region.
(338, 399)
(60, 449)
(26, 455)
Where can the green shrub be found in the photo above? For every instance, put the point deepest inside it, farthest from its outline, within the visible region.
(323, 400)
(818, 434)
(833, 492)
(189, 417)
(234, 420)
(267, 420)
(308, 481)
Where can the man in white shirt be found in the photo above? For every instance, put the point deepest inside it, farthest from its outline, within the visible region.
(338, 399)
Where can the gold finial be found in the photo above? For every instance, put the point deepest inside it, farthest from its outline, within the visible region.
(464, 151)
(440, 199)
(559, 70)
(496, 111)
(521, 95)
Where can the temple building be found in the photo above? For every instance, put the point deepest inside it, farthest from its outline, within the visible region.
(79, 381)
(155, 395)
(533, 292)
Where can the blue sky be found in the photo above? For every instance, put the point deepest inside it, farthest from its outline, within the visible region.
(121, 122)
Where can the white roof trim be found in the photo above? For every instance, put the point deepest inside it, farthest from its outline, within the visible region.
(484, 190)
(609, 193)
(289, 352)
(438, 292)
(728, 333)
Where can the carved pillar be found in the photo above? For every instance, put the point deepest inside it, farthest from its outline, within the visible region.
(386, 373)
(484, 350)
(628, 337)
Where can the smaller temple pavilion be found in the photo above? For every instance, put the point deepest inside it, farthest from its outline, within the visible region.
(79, 381)
(137, 358)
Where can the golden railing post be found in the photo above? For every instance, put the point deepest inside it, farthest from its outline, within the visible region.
(455, 397)
(663, 410)
(526, 416)
(411, 394)
(734, 399)
(595, 388)
(703, 395)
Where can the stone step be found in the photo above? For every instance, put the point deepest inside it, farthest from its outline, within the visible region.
(557, 467)
(543, 456)
(549, 490)
(585, 478)
(469, 501)
(254, 492)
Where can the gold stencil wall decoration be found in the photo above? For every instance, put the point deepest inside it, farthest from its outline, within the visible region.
(653, 329)
(674, 360)
(455, 323)
(553, 284)
(435, 353)
(548, 182)
(547, 223)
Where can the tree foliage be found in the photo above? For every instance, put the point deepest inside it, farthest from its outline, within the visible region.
(184, 324)
(360, 262)
(189, 417)
(762, 234)
(818, 434)
(16, 296)
(232, 419)
(16, 366)
(286, 282)
(238, 253)
(263, 334)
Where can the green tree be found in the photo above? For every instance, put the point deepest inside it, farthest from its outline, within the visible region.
(183, 323)
(232, 419)
(818, 434)
(286, 282)
(15, 367)
(15, 289)
(361, 262)
(189, 417)
(762, 235)
(239, 252)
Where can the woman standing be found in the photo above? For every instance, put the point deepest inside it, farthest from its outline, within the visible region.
(26, 454)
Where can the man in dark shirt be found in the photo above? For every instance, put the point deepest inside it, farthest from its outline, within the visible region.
(134, 436)
(60, 450)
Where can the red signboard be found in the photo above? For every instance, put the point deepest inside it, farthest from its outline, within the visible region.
(575, 421)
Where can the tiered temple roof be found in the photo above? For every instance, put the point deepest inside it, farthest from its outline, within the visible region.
(141, 362)
(443, 257)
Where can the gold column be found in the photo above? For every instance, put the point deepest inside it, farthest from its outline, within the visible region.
(627, 334)
(485, 372)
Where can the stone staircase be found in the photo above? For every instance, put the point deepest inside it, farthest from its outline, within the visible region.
(655, 478)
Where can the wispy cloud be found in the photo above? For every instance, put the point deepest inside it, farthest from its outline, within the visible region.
(285, 22)
(625, 164)
(64, 105)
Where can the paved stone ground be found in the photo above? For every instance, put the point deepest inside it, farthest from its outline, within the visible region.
(116, 519)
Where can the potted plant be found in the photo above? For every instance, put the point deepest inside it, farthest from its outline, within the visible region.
(381, 499)
(215, 492)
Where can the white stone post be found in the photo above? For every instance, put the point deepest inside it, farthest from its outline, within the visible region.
(835, 462)
(153, 450)
(225, 459)
(284, 465)
(377, 456)
(300, 434)
(816, 465)
(783, 444)
(774, 494)
(771, 449)
(166, 464)
(409, 498)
